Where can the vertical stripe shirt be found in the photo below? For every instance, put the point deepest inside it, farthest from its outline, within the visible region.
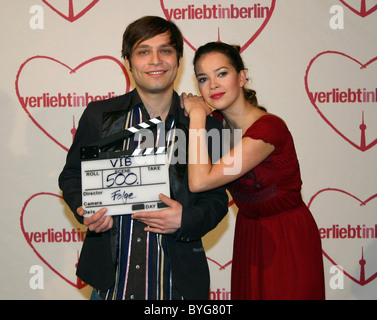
(143, 268)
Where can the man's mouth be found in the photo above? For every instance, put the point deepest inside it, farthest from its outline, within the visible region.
(156, 73)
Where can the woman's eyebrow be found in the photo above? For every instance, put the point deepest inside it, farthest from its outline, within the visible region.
(216, 70)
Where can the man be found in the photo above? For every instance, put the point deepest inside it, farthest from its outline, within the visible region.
(152, 255)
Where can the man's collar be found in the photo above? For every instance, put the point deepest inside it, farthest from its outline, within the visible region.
(174, 107)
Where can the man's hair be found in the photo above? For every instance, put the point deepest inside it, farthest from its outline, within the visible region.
(148, 27)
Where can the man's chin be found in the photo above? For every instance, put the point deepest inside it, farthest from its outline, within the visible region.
(158, 89)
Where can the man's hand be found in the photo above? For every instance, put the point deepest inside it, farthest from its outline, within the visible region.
(98, 222)
(164, 221)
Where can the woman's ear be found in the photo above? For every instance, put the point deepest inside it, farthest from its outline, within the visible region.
(243, 78)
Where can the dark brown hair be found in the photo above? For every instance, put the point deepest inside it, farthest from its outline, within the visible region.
(148, 27)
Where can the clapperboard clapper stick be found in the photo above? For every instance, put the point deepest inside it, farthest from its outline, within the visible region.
(94, 150)
(124, 182)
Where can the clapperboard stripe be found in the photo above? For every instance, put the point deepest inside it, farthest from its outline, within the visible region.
(148, 151)
(160, 150)
(144, 125)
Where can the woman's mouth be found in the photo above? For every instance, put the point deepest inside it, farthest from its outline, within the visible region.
(217, 95)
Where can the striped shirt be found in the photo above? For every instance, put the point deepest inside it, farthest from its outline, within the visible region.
(143, 268)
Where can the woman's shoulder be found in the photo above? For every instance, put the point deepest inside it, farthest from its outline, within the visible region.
(269, 128)
(268, 121)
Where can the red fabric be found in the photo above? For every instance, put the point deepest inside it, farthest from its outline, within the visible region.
(277, 248)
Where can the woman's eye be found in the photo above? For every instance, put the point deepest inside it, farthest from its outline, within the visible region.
(201, 80)
(223, 74)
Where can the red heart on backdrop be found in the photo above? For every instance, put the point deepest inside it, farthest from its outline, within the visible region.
(246, 44)
(72, 15)
(71, 71)
(78, 284)
(362, 11)
(362, 146)
(360, 281)
(221, 267)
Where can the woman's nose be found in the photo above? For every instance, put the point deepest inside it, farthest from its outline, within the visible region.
(213, 84)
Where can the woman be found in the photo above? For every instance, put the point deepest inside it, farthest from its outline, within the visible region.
(277, 250)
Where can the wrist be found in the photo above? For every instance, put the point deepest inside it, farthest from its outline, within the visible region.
(197, 113)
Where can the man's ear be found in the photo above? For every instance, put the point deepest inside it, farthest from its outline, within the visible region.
(128, 64)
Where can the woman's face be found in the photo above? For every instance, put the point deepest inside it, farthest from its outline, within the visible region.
(219, 82)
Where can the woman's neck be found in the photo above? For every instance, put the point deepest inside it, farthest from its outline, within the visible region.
(240, 117)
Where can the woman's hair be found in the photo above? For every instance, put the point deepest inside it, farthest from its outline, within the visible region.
(148, 27)
(233, 54)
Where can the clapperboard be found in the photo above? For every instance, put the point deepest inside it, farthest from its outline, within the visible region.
(124, 182)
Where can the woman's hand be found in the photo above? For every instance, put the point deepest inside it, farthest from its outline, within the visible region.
(191, 103)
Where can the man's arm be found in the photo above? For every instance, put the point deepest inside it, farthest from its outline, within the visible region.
(70, 177)
(204, 215)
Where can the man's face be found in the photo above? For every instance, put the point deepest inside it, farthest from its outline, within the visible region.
(154, 65)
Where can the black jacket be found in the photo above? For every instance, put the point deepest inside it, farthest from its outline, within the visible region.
(201, 211)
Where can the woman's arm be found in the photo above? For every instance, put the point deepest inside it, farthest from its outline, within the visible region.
(203, 175)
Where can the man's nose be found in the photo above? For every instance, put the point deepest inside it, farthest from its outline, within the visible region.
(155, 58)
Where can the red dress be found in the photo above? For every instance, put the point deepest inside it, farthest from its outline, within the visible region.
(277, 250)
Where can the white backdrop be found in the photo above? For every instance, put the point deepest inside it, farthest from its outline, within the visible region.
(311, 62)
